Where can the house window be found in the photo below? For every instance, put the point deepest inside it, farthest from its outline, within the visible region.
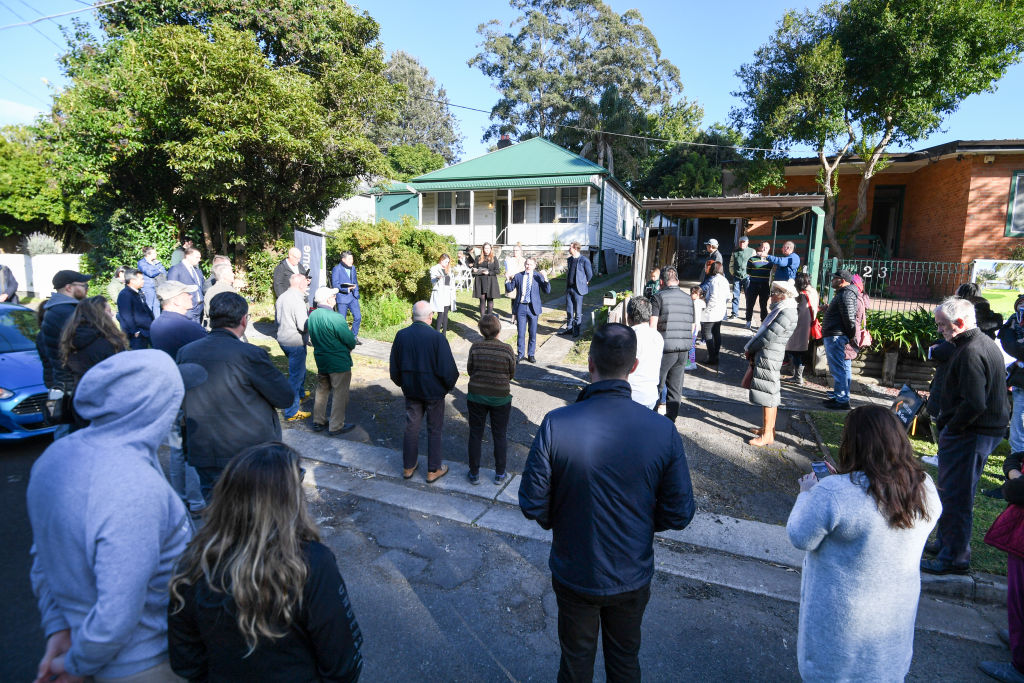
(547, 205)
(444, 208)
(570, 209)
(462, 208)
(1015, 211)
(518, 210)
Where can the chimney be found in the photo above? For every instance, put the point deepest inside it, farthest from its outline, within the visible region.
(504, 142)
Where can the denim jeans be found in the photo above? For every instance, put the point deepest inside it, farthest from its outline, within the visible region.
(839, 366)
(184, 478)
(296, 375)
(1017, 420)
(739, 286)
(962, 457)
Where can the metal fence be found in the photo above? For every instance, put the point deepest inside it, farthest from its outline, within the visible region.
(899, 286)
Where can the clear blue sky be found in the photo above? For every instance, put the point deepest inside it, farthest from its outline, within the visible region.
(707, 41)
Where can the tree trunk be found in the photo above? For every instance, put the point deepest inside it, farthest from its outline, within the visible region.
(865, 179)
(828, 172)
(611, 160)
(240, 230)
(204, 220)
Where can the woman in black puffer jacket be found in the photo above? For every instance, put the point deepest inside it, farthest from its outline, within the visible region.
(90, 336)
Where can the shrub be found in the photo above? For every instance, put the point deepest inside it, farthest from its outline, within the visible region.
(259, 270)
(384, 311)
(393, 259)
(911, 331)
(120, 239)
(38, 244)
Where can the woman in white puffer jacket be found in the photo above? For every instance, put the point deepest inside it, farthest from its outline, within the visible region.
(716, 295)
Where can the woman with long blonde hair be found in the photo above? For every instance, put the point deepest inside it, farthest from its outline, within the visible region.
(256, 596)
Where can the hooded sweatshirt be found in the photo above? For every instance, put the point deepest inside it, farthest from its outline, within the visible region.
(107, 528)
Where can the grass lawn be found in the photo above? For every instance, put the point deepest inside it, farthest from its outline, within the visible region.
(984, 558)
(1001, 300)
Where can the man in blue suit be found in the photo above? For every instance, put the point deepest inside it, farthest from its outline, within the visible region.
(529, 284)
(344, 279)
(187, 272)
(577, 278)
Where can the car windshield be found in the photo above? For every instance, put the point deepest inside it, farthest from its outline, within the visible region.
(18, 329)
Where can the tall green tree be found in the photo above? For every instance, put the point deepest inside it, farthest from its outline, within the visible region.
(860, 75)
(409, 161)
(423, 118)
(556, 60)
(242, 120)
(31, 198)
(691, 170)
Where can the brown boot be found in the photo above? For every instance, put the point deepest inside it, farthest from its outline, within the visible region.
(768, 436)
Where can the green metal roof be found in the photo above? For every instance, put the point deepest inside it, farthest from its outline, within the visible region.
(531, 158)
(504, 183)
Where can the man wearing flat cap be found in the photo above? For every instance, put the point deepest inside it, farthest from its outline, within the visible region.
(838, 329)
(332, 349)
(175, 328)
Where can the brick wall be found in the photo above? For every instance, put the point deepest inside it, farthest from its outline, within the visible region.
(952, 210)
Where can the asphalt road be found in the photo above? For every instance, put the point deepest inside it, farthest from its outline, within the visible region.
(21, 639)
(439, 600)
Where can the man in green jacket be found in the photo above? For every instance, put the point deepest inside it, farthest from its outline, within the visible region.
(738, 270)
(332, 342)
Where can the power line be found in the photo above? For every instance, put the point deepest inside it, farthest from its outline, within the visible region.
(24, 90)
(34, 28)
(604, 132)
(63, 14)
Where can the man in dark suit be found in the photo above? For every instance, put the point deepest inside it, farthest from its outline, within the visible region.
(577, 278)
(235, 407)
(187, 272)
(344, 279)
(285, 269)
(529, 284)
(423, 366)
(132, 312)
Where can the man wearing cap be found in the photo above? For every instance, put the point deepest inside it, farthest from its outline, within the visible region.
(786, 265)
(332, 349)
(174, 328)
(738, 270)
(70, 287)
(292, 319)
(188, 272)
(714, 256)
(133, 313)
(168, 333)
(839, 328)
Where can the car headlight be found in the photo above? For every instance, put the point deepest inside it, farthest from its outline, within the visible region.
(5, 393)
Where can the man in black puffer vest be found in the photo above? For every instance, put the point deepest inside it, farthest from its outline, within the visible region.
(70, 287)
(839, 328)
(672, 316)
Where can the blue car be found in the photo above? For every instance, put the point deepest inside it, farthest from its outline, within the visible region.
(22, 392)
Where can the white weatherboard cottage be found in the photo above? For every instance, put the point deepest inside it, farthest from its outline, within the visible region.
(533, 192)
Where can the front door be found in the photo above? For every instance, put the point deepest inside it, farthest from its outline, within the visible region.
(886, 216)
(501, 220)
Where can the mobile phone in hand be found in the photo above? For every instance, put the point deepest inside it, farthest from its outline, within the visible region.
(821, 469)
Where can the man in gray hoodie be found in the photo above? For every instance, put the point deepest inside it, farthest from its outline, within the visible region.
(106, 526)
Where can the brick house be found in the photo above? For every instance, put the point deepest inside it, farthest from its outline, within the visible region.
(955, 202)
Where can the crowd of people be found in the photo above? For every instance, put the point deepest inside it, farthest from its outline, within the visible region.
(129, 587)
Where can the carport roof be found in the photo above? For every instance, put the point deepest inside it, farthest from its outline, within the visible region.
(744, 206)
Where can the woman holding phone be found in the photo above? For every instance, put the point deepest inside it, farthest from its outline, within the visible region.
(864, 529)
(442, 292)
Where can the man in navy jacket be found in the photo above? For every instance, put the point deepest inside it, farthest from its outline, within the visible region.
(578, 274)
(423, 366)
(345, 280)
(132, 311)
(527, 304)
(604, 474)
